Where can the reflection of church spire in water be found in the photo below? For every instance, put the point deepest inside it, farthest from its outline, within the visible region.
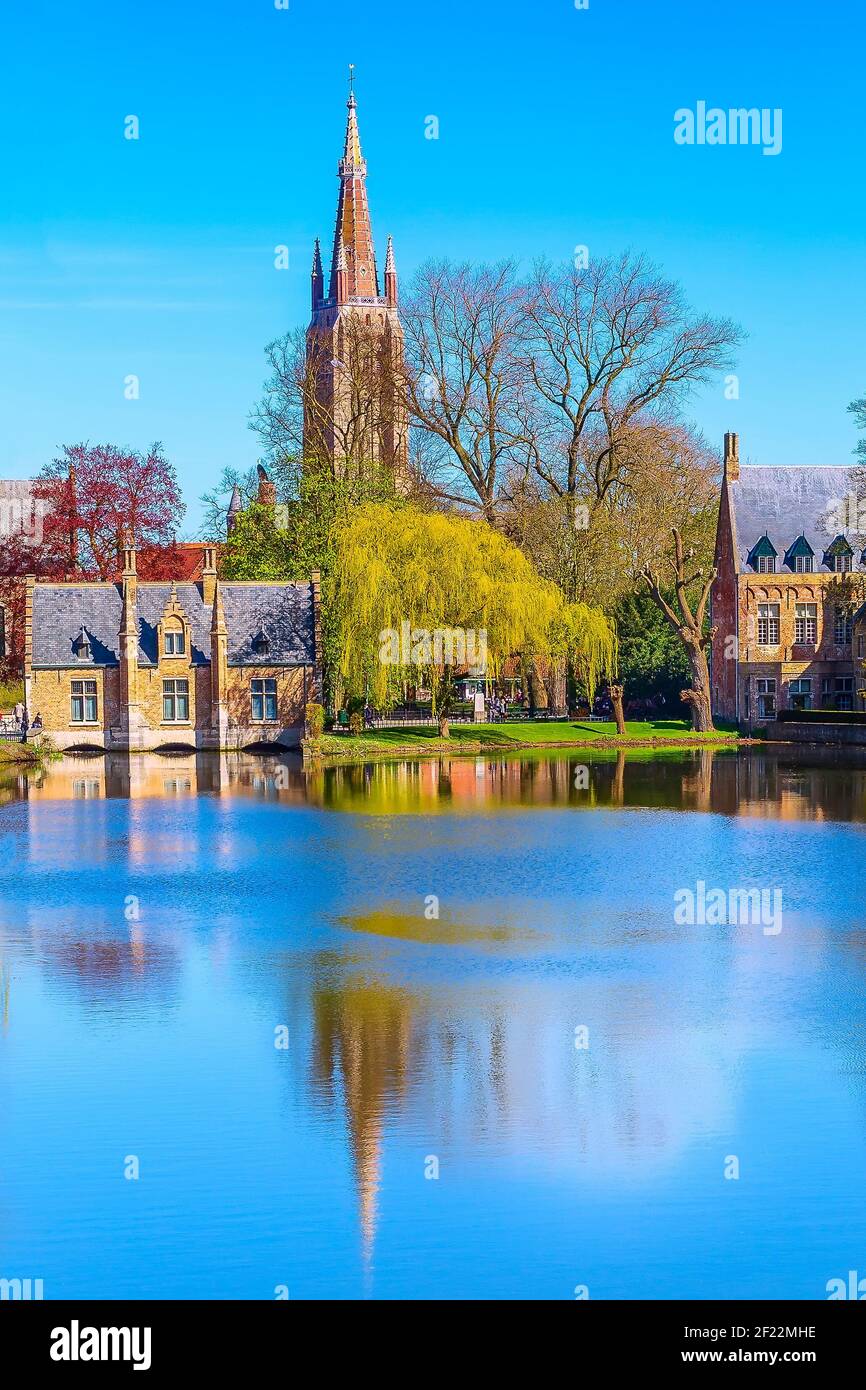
(363, 1035)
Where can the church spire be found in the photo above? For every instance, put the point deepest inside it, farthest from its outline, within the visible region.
(353, 230)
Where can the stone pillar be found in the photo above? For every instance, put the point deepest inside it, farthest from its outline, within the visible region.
(132, 728)
(219, 670)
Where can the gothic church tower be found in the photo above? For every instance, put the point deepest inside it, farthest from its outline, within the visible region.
(354, 413)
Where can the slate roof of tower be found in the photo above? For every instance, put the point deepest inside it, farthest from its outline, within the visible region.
(784, 502)
(283, 611)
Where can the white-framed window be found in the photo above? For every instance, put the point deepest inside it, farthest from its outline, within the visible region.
(175, 642)
(263, 694)
(842, 626)
(800, 693)
(175, 702)
(840, 564)
(802, 564)
(806, 624)
(85, 702)
(766, 564)
(768, 624)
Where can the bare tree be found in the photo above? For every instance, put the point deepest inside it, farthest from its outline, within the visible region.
(465, 387)
(335, 400)
(608, 347)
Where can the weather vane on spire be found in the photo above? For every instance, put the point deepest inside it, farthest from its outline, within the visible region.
(351, 80)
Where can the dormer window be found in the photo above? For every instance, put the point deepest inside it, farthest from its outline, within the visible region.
(763, 556)
(800, 557)
(175, 642)
(81, 646)
(261, 643)
(839, 557)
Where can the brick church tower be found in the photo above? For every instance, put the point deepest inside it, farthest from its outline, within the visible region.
(354, 412)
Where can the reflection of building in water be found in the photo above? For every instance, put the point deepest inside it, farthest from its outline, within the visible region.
(460, 1067)
(362, 1035)
(139, 776)
(774, 781)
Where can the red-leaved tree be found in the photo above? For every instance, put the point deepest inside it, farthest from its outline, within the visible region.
(97, 495)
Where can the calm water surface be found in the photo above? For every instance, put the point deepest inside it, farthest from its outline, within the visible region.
(230, 970)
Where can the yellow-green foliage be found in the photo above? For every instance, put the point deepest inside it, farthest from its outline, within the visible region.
(10, 693)
(440, 572)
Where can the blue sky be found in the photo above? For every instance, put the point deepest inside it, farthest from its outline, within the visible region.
(156, 257)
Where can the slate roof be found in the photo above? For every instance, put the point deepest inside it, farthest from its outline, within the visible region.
(786, 502)
(283, 611)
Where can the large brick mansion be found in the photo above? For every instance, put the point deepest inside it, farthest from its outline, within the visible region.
(787, 634)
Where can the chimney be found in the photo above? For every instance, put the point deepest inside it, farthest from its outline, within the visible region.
(208, 574)
(129, 576)
(732, 457)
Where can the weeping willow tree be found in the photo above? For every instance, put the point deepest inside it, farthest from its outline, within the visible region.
(416, 596)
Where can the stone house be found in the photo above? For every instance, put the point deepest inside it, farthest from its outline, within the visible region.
(787, 635)
(137, 665)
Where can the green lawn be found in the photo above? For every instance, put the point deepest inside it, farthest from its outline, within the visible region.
(580, 731)
(526, 734)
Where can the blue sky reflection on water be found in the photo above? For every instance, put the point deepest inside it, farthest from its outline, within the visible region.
(411, 1038)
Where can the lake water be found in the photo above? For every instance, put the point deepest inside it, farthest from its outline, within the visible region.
(229, 976)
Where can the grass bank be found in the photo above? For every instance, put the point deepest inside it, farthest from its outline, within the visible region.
(14, 755)
(492, 738)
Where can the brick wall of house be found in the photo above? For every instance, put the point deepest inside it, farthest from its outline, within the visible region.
(292, 687)
(51, 699)
(789, 660)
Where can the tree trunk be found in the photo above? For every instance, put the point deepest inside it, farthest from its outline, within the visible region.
(555, 685)
(534, 686)
(689, 627)
(444, 726)
(698, 697)
(616, 693)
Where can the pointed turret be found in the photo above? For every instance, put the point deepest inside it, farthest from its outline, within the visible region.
(353, 230)
(340, 275)
(236, 506)
(391, 275)
(318, 277)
